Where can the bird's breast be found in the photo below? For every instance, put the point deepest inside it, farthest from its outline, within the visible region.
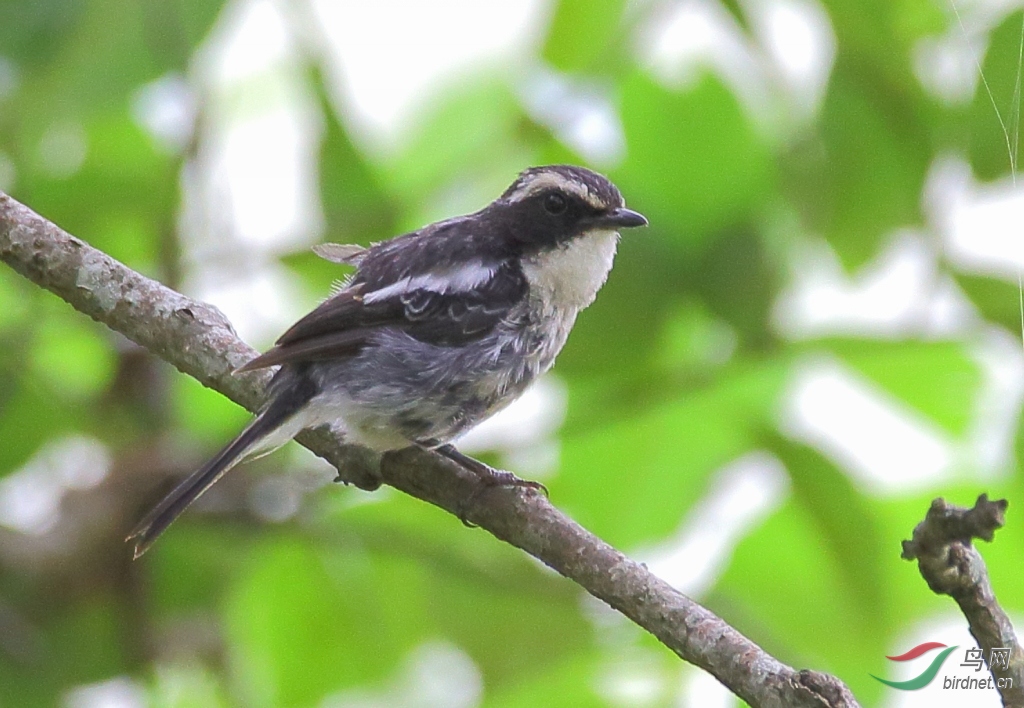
(568, 277)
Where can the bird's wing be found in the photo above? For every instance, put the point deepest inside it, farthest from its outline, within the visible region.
(446, 305)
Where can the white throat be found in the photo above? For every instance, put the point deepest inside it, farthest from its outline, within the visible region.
(570, 276)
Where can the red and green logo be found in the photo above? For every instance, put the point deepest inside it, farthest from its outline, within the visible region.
(926, 676)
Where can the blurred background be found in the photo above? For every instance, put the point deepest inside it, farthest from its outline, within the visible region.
(819, 333)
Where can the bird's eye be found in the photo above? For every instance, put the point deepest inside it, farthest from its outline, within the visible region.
(555, 204)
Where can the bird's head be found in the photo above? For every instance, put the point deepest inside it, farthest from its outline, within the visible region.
(547, 207)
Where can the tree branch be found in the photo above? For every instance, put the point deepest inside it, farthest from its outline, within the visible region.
(951, 565)
(198, 340)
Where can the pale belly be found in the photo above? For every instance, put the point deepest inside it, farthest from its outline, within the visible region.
(405, 392)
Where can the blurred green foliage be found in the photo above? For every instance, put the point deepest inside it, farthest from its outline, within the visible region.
(675, 372)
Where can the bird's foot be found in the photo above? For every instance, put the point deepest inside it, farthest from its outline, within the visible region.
(489, 478)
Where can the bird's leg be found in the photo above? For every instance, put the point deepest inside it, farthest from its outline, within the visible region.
(488, 476)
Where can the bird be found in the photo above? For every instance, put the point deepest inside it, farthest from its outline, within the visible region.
(435, 331)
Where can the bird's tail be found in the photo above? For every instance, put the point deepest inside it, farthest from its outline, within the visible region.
(280, 410)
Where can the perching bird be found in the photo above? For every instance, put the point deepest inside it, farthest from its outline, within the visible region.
(436, 331)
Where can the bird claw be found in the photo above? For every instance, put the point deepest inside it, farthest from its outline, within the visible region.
(495, 478)
(487, 476)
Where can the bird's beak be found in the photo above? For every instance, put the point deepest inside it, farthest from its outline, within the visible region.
(621, 218)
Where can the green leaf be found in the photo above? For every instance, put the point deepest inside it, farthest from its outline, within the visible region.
(573, 683)
(78, 642)
(28, 418)
(17, 297)
(581, 31)
(695, 164)
(738, 12)
(995, 129)
(474, 588)
(357, 207)
(734, 279)
(99, 64)
(694, 339)
(195, 565)
(207, 415)
(187, 686)
(864, 178)
(31, 30)
(998, 299)
(843, 517)
(632, 481)
(36, 31)
(302, 623)
(939, 379)
(484, 115)
(73, 356)
(635, 304)
(536, 628)
(738, 280)
(784, 586)
(121, 200)
(175, 28)
(862, 175)
(882, 34)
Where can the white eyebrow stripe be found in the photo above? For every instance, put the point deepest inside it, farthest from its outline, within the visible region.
(458, 279)
(552, 180)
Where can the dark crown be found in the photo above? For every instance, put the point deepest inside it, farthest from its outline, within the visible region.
(594, 189)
